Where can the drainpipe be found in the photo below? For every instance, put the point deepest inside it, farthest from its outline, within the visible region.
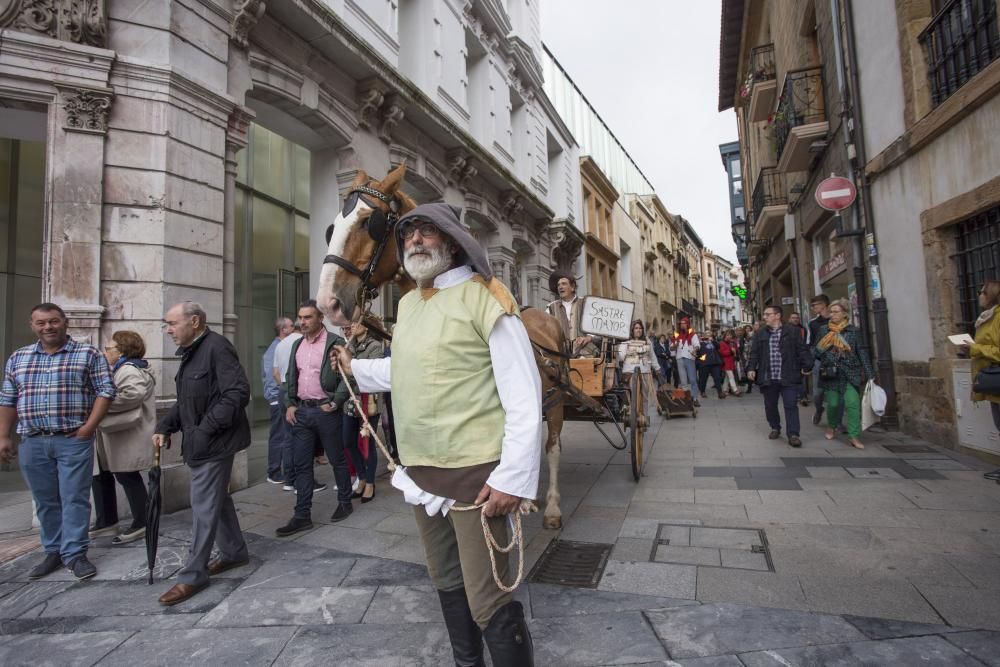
(856, 231)
(880, 310)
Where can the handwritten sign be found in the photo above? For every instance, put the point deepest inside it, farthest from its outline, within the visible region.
(606, 317)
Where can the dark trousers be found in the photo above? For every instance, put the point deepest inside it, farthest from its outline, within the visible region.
(106, 500)
(789, 396)
(675, 374)
(213, 521)
(364, 467)
(313, 428)
(704, 372)
(279, 454)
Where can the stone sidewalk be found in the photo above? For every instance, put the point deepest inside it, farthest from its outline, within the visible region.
(731, 550)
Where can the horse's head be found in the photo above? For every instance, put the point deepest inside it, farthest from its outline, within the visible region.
(362, 230)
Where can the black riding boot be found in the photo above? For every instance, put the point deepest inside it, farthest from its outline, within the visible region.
(508, 638)
(466, 637)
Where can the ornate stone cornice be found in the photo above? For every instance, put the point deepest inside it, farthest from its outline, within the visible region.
(246, 13)
(567, 240)
(79, 21)
(390, 115)
(86, 110)
(510, 204)
(371, 94)
(460, 168)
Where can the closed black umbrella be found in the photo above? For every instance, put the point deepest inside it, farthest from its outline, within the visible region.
(153, 509)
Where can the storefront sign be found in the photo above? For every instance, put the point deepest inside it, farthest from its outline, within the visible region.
(606, 317)
(787, 300)
(833, 266)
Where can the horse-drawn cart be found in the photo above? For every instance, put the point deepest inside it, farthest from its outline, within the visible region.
(617, 408)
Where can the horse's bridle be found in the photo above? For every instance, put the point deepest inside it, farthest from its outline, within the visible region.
(379, 227)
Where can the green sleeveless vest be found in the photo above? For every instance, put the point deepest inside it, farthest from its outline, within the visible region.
(446, 406)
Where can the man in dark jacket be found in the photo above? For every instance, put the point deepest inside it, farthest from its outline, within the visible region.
(779, 358)
(212, 395)
(315, 417)
(709, 363)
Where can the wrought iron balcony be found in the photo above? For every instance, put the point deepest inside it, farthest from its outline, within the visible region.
(960, 41)
(800, 118)
(761, 84)
(770, 201)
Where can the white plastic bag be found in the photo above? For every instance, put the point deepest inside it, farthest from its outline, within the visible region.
(868, 415)
(878, 398)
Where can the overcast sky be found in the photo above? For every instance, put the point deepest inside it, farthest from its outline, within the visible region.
(650, 68)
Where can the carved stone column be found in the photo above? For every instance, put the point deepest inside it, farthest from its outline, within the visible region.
(236, 139)
(78, 122)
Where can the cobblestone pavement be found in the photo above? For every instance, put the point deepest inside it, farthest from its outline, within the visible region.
(731, 550)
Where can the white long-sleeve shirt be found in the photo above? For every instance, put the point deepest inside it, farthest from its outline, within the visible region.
(520, 389)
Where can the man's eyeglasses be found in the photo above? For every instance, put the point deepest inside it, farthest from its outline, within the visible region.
(427, 230)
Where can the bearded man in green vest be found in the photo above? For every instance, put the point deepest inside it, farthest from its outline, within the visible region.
(467, 407)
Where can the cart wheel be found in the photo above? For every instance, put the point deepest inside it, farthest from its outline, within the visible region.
(636, 423)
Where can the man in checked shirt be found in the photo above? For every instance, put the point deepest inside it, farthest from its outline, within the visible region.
(57, 390)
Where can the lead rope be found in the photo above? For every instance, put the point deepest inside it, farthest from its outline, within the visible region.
(517, 534)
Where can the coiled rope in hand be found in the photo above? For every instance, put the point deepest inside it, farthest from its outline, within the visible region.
(492, 546)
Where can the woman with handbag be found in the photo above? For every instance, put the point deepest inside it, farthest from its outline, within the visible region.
(985, 351)
(361, 346)
(124, 436)
(843, 372)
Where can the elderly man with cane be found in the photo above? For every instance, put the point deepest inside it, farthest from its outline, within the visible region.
(468, 425)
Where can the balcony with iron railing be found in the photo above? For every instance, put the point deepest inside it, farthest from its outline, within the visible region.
(800, 118)
(960, 41)
(761, 85)
(770, 202)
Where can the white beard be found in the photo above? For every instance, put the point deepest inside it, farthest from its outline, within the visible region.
(425, 268)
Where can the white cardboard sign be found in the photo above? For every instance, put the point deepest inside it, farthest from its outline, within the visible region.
(606, 317)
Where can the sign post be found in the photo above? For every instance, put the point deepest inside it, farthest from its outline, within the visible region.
(835, 194)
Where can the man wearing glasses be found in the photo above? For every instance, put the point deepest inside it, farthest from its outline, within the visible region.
(468, 424)
(779, 358)
(210, 411)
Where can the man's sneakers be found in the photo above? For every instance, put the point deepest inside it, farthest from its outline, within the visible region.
(271, 480)
(343, 511)
(82, 568)
(317, 487)
(102, 531)
(49, 564)
(287, 487)
(774, 434)
(296, 525)
(794, 441)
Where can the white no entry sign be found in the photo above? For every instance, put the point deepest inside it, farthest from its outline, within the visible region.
(835, 193)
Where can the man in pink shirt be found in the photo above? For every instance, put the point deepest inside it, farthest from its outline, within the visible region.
(315, 418)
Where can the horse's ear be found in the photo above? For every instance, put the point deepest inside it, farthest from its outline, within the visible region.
(393, 180)
(360, 179)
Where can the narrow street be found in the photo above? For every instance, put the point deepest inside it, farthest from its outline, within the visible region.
(731, 550)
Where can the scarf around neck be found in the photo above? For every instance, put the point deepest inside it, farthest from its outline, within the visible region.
(834, 339)
(985, 316)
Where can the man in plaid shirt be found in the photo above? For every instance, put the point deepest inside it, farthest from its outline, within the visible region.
(58, 391)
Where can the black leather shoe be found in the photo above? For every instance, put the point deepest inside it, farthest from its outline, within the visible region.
(49, 564)
(818, 417)
(508, 639)
(794, 441)
(343, 511)
(774, 434)
(466, 637)
(296, 525)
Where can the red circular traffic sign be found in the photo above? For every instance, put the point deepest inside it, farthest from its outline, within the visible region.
(835, 193)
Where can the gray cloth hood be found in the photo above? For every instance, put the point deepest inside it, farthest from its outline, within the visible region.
(448, 219)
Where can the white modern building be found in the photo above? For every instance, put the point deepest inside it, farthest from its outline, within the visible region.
(166, 150)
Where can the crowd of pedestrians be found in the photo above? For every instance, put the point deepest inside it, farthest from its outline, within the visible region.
(87, 422)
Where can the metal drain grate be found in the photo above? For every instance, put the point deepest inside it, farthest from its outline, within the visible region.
(910, 449)
(565, 563)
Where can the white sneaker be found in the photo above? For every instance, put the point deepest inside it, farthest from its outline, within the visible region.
(287, 487)
(274, 481)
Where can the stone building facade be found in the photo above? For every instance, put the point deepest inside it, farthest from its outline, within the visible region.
(198, 149)
(933, 175)
(778, 71)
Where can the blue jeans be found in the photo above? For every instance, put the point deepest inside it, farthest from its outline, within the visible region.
(312, 425)
(688, 373)
(58, 470)
(279, 453)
